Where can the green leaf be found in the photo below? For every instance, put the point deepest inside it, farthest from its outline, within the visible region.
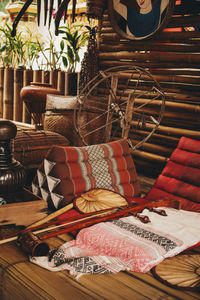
(65, 61)
(62, 45)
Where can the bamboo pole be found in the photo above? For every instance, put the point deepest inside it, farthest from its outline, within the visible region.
(61, 82)
(192, 58)
(147, 64)
(156, 138)
(8, 94)
(45, 76)
(53, 78)
(154, 148)
(170, 71)
(1, 91)
(163, 47)
(149, 168)
(170, 97)
(178, 132)
(17, 102)
(149, 156)
(174, 106)
(178, 36)
(178, 21)
(37, 76)
(27, 78)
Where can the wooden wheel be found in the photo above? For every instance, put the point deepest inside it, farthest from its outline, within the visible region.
(182, 272)
(120, 102)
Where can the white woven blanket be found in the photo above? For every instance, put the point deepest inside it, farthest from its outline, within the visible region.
(126, 244)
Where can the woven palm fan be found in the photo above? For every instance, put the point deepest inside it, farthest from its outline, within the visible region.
(181, 272)
(98, 199)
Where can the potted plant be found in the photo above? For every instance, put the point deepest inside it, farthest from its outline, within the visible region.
(75, 37)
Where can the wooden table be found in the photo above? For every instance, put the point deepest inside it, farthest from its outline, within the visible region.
(21, 279)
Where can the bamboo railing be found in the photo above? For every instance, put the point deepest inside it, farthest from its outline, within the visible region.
(11, 83)
(173, 59)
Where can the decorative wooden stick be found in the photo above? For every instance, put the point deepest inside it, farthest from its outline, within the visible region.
(70, 221)
(117, 213)
(97, 217)
(52, 216)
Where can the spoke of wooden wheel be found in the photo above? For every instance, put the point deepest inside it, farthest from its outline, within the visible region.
(96, 118)
(129, 111)
(95, 108)
(114, 84)
(128, 116)
(99, 128)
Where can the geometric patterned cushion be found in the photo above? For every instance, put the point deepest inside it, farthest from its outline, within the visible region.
(180, 179)
(67, 172)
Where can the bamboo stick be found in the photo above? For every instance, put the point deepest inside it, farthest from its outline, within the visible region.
(52, 216)
(27, 78)
(61, 82)
(159, 56)
(1, 91)
(163, 47)
(45, 76)
(8, 94)
(178, 36)
(182, 123)
(149, 156)
(17, 102)
(174, 97)
(178, 21)
(37, 76)
(174, 106)
(53, 78)
(109, 37)
(179, 132)
(148, 167)
(160, 78)
(170, 71)
(154, 148)
(156, 138)
(147, 64)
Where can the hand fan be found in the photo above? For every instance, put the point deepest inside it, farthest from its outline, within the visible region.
(98, 199)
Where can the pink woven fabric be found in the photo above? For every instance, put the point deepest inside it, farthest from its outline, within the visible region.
(128, 244)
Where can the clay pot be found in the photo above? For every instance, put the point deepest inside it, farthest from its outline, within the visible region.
(34, 96)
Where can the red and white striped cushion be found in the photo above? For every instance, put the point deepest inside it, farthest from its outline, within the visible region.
(67, 172)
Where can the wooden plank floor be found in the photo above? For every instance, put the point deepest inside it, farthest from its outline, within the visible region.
(21, 279)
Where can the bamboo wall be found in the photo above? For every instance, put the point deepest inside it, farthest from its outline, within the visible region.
(173, 58)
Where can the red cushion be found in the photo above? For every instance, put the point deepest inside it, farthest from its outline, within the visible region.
(67, 172)
(180, 178)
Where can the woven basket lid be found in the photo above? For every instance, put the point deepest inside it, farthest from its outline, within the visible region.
(181, 272)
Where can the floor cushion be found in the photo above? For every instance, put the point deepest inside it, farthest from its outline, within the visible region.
(67, 172)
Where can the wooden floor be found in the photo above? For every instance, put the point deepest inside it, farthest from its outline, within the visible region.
(21, 279)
